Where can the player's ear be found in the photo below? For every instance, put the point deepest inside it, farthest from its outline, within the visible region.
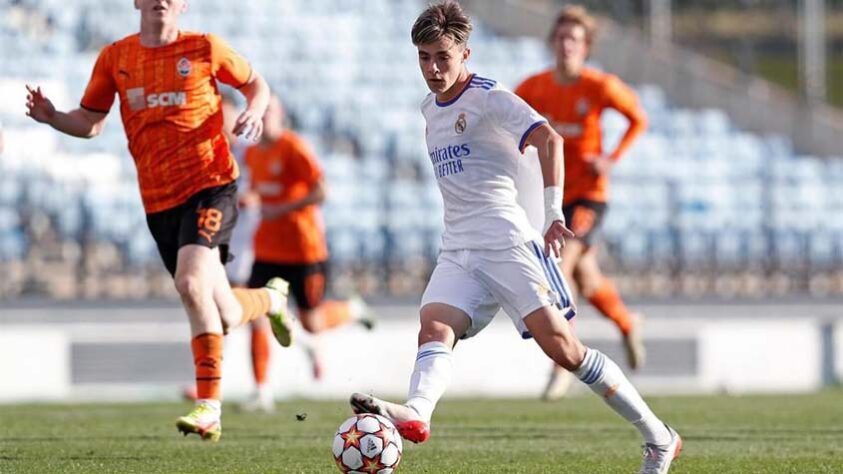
(466, 53)
(137, 4)
(184, 7)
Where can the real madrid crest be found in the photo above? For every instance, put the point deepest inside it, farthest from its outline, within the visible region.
(184, 67)
(459, 127)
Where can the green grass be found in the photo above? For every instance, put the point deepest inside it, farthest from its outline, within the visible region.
(796, 434)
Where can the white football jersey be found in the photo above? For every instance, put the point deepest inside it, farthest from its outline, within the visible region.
(475, 142)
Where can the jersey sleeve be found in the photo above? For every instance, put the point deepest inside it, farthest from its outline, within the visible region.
(513, 115)
(99, 95)
(227, 65)
(622, 98)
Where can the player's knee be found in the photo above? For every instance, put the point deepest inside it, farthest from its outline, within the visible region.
(190, 288)
(433, 329)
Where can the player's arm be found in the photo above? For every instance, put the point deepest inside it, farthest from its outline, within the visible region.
(550, 146)
(229, 67)
(316, 196)
(250, 122)
(620, 97)
(80, 122)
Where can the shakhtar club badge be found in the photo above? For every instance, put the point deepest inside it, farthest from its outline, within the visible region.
(184, 67)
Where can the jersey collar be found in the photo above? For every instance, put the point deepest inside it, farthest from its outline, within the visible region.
(450, 102)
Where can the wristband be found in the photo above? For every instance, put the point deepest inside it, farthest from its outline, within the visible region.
(552, 206)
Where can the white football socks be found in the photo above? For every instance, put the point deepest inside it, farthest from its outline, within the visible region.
(606, 379)
(431, 376)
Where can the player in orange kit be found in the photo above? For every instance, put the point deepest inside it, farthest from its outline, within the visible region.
(166, 80)
(572, 97)
(290, 239)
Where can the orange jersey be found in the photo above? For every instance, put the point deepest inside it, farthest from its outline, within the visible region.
(281, 173)
(574, 112)
(170, 106)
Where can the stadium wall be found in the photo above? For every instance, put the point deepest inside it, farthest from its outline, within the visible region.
(142, 355)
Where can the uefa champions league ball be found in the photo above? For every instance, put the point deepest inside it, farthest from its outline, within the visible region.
(367, 444)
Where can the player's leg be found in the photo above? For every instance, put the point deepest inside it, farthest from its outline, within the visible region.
(605, 378)
(602, 294)
(560, 380)
(319, 315)
(239, 306)
(195, 287)
(454, 305)
(204, 225)
(263, 398)
(441, 326)
(308, 290)
(339, 312)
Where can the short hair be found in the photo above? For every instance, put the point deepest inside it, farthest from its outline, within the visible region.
(442, 19)
(577, 15)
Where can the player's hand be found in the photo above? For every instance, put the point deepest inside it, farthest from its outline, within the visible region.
(554, 238)
(249, 126)
(601, 165)
(39, 107)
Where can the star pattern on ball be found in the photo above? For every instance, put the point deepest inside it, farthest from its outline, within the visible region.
(385, 434)
(372, 465)
(352, 438)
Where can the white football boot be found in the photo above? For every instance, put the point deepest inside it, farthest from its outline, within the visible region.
(657, 459)
(408, 423)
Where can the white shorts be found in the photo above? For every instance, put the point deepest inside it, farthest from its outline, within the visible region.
(479, 282)
(242, 246)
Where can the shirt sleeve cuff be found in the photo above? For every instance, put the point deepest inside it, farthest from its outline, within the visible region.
(523, 142)
(92, 109)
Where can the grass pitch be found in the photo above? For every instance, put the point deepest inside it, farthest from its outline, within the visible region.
(794, 434)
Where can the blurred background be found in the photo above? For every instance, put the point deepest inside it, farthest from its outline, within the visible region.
(726, 218)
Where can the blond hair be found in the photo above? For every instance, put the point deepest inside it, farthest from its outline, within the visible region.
(577, 15)
(440, 20)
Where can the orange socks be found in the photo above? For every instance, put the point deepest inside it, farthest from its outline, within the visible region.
(260, 353)
(207, 357)
(255, 303)
(335, 313)
(608, 301)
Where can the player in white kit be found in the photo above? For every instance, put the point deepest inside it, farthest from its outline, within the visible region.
(491, 257)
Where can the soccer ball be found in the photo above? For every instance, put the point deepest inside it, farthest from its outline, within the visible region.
(367, 444)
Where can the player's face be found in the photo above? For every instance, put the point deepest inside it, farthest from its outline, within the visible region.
(162, 10)
(570, 46)
(442, 62)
